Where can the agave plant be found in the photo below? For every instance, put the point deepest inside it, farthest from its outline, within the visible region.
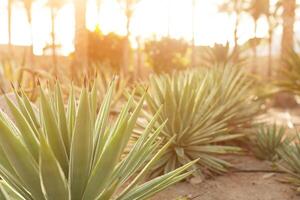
(76, 152)
(16, 73)
(290, 162)
(205, 109)
(267, 141)
(222, 54)
(290, 73)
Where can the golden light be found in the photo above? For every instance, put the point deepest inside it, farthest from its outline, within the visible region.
(150, 18)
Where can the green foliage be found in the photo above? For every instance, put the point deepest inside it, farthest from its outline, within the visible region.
(204, 110)
(106, 49)
(221, 54)
(76, 152)
(167, 54)
(290, 163)
(268, 140)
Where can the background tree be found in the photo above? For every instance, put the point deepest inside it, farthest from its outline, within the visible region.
(106, 49)
(9, 22)
(55, 6)
(288, 16)
(167, 54)
(28, 7)
(81, 36)
(193, 33)
(128, 6)
(273, 22)
(257, 9)
(234, 8)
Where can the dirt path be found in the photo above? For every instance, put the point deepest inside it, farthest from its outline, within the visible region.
(246, 185)
(235, 186)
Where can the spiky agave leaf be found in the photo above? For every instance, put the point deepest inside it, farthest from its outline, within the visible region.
(267, 141)
(205, 109)
(74, 152)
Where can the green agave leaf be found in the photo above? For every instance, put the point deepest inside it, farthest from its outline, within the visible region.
(81, 149)
(62, 119)
(8, 193)
(52, 177)
(53, 133)
(20, 157)
(26, 131)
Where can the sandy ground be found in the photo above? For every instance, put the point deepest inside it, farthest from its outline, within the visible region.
(258, 185)
(235, 185)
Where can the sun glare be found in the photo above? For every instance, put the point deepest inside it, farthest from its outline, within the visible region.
(151, 18)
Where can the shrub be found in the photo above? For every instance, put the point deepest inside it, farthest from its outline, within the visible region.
(167, 54)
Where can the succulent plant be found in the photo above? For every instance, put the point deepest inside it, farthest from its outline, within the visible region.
(268, 140)
(77, 152)
(290, 73)
(205, 110)
(290, 162)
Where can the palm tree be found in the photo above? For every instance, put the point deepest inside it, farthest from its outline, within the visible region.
(128, 7)
(81, 36)
(28, 7)
(273, 22)
(193, 33)
(257, 9)
(235, 7)
(288, 16)
(9, 19)
(54, 6)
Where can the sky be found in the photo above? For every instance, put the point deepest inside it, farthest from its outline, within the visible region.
(150, 19)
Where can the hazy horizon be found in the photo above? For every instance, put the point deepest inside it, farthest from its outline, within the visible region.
(150, 18)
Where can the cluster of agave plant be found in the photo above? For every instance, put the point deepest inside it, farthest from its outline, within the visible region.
(76, 149)
(272, 144)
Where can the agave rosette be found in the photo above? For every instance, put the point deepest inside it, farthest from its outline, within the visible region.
(76, 152)
(290, 162)
(205, 110)
(268, 140)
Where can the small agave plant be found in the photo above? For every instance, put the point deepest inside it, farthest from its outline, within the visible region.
(204, 111)
(268, 140)
(290, 162)
(76, 152)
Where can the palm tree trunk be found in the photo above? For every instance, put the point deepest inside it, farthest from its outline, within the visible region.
(193, 33)
(53, 45)
(81, 38)
(29, 18)
(127, 44)
(236, 24)
(287, 43)
(255, 48)
(270, 42)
